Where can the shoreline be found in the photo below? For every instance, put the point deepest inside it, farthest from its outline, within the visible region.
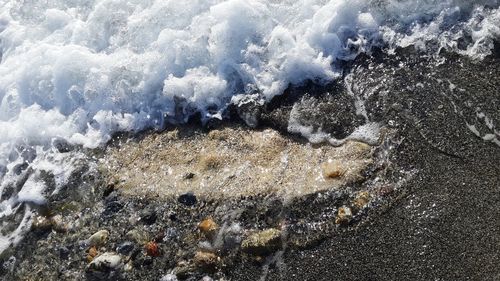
(430, 212)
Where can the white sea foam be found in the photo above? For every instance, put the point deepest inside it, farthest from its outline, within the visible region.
(81, 70)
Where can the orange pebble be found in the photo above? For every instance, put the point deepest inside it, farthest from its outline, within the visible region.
(152, 249)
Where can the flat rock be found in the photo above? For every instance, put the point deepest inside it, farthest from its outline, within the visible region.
(230, 162)
(263, 242)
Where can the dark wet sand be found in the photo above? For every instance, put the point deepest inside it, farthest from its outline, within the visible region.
(447, 227)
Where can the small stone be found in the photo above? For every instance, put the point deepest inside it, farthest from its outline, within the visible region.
(160, 235)
(208, 227)
(332, 170)
(142, 261)
(249, 110)
(108, 189)
(99, 238)
(172, 216)
(92, 253)
(152, 249)
(263, 242)
(361, 200)
(58, 224)
(111, 208)
(172, 135)
(344, 215)
(41, 224)
(189, 176)
(188, 199)
(206, 260)
(63, 252)
(231, 236)
(44, 224)
(106, 261)
(148, 216)
(125, 248)
(385, 190)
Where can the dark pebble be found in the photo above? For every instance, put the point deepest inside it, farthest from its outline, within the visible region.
(188, 199)
(148, 216)
(172, 216)
(142, 261)
(111, 197)
(125, 248)
(111, 209)
(83, 245)
(189, 176)
(63, 252)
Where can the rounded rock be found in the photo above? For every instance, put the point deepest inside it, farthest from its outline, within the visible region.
(344, 215)
(208, 227)
(188, 199)
(152, 249)
(206, 260)
(125, 248)
(99, 238)
(263, 242)
(106, 261)
(332, 170)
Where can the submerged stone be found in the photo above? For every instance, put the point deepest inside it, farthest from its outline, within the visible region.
(111, 209)
(208, 227)
(169, 277)
(361, 200)
(332, 169)
(92, 253)
(41, 224)
(148, 216)
(64, 252)
(206, 260)
(188, 199)
(106, 261)
(152, 249)
(263, 242)
(231, 162)
(344, 215)
(99, 238)
(125, 248)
